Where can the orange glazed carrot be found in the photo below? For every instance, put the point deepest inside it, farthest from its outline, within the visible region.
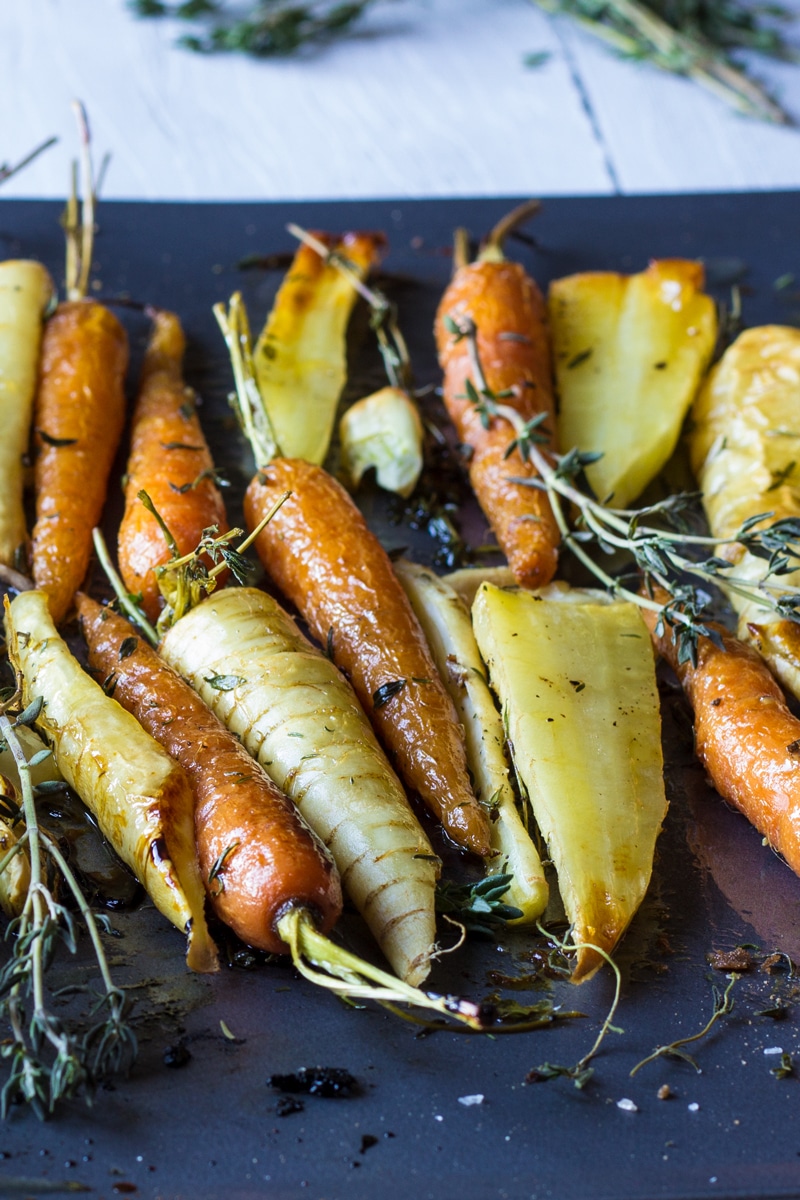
(508, 311)
(746, 737)
(79, 416)
(170, 460)
(321, 554)
(257, 855)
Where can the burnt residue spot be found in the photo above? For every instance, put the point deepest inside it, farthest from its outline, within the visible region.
(289, 1104)
(330, 1082)
(738, 959)
(177, 1055)
(124, 1189)
(368, 1140)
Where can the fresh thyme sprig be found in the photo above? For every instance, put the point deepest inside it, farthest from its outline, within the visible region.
(185, 579)
(695, 38)
(723, 1004)
(268, 29)
(479, 907)
(580, 1073)
(50, 1063)
(657, 552)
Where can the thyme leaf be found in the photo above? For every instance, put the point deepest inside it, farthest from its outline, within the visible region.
(479, 907)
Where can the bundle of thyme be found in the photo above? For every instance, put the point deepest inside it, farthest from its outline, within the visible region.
(696, 38)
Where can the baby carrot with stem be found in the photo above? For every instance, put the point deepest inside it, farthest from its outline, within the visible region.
(171, 462)
(79, 413)
(499, 301)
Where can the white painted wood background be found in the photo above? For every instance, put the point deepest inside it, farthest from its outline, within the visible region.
(431, 98)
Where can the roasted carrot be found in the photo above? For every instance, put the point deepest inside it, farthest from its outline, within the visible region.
(320, 553)
(79, 417)
(745, 735)
(504, 305)
(169, 460)
(257, 856)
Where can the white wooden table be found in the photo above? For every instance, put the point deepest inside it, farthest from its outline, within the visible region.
(430, 98)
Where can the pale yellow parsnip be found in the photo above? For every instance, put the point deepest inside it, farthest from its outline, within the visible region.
(300, 357)
(578, 690)
(142, 800)
(300, 718)
(630, 353)
(446, 622)
(26, 290)
(744, 442)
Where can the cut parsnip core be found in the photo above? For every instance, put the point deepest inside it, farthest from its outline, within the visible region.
(578, 690)
(630, 353)
(447, 626)
(383, 431)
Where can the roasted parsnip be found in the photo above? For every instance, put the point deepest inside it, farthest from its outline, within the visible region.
(744, 443)
(577, 686)
(299, 717)
(630, 353)
(446, 623)
(26, 290)
(300, 356)
(141, 798)
(15, 877)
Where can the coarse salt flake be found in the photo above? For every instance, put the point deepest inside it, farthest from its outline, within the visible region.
(694, 1106)
(773, 1049)
(627, 1105)
(468, 1101)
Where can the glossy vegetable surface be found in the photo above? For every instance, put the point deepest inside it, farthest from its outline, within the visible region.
(507, 308)
(297, 715)
(141, 798)
(80, 412)
(257, 856)
(320, 553)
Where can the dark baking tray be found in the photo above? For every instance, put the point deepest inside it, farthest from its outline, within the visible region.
(210, 1129)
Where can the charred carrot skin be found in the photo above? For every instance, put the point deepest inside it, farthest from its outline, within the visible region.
(507, 308)
(321, 554)
(170, 460)
(79, 417)
(257, 856)
(746, 737)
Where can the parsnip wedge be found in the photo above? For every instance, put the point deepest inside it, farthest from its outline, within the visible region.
(577, 686)
(142, 799)
(25, 291)
(630, 353)
(446, 623)
(745, 450)
(300, 356)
